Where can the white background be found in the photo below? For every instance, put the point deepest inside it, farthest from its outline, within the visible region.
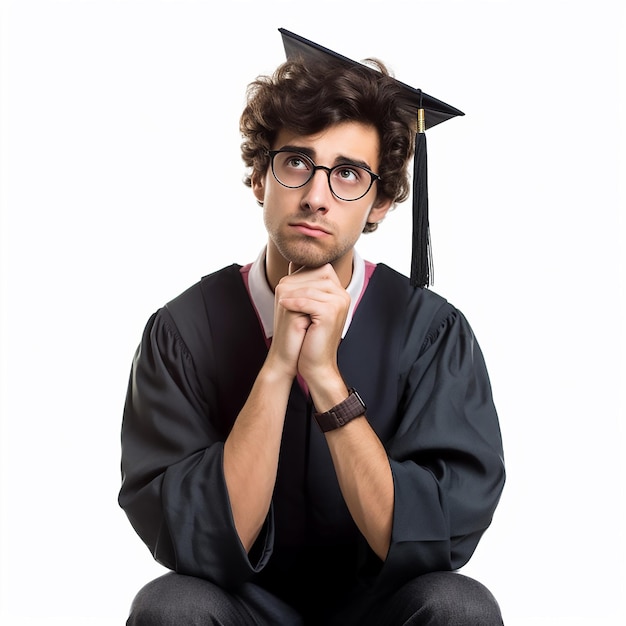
(121, 185)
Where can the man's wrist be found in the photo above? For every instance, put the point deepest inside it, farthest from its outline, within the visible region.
(333, 391)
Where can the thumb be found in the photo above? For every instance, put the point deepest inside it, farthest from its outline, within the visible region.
(292, 268)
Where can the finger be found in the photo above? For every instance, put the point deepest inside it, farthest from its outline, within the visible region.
(315, 292)
(312, 287)
(292, 268)
(300, 282)
(316, 303)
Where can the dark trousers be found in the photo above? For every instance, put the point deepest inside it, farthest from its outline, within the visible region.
(437, 599)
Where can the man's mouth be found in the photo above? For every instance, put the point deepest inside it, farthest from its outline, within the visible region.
(310, 230)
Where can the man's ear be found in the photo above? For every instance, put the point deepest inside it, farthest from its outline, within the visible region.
(379, 210)
(258, 187)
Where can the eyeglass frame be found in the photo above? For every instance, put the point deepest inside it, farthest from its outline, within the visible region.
(328, 170)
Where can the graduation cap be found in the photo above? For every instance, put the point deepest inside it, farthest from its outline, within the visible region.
(428, 112)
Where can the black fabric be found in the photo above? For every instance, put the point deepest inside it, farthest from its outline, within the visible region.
(297, 47)
(176, 600)
(421, 252)
(435, 599)
(417, 365)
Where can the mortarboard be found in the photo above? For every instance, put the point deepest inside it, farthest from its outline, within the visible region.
(427, 111)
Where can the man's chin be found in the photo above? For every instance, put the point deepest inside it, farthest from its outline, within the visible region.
(299, 264)
(308, 258)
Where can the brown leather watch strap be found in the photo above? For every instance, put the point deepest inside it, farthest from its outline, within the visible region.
(353, 406)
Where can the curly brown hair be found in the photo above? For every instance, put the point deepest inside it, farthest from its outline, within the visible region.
(309, 98)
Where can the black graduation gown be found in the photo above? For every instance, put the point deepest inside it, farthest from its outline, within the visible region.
(414, 360)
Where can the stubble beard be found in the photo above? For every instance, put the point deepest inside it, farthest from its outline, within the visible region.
(306, 252)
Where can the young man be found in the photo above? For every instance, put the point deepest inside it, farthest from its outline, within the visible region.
(310, 439)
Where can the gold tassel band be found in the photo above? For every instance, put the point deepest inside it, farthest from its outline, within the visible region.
(421, 121)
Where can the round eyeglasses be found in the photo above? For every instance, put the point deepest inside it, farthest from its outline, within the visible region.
(347, 181)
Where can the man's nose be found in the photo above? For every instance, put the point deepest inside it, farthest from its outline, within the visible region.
(318, 194)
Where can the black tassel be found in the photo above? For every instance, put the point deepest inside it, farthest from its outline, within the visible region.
(421, 256)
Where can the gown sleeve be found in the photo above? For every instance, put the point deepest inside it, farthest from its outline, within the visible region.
(173, 488)
(446, 453)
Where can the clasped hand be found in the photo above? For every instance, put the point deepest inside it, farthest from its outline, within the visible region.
(310, 310)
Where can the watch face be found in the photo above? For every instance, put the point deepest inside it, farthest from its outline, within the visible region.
(358, 397)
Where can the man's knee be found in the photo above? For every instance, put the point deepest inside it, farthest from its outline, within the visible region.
(172, 600)
(450, 599)
(175, 600)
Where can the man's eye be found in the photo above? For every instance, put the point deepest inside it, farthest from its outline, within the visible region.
(297, 163)
(347, 174)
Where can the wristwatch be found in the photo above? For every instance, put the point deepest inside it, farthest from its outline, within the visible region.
(353, 406)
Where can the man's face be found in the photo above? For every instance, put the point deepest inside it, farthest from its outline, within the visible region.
(309, 226)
